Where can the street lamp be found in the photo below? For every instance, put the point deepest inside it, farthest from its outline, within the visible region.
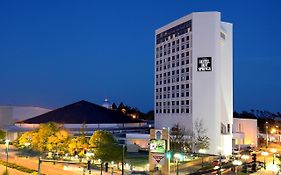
(266, 128)
(273, 150)
(264, 154)
(245, 158)
(236, 163)
(202, 152)
(177, 157)
(7, 153)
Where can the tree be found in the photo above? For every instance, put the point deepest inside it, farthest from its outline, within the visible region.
(180, 139)
(114, 106)
(25, 139)
(105, 146)
(201, 141)
(48, 137)
(58, 142)
(2, 135)
(77, 145)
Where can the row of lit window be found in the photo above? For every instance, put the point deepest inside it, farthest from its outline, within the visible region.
(168, 103)
(176, 87)
(171, 50)
(183, 110)
(174, 72)
(173, 95)
(173, 57)
(172, 80)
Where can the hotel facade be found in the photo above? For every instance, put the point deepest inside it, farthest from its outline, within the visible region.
(194, 77)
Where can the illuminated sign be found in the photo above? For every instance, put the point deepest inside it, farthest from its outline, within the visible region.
(204, 64)
(157, 146)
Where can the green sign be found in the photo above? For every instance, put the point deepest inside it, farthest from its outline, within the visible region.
(157, 146)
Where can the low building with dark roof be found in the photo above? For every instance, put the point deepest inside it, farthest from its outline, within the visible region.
(93, 116)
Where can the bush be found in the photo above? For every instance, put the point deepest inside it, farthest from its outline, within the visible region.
(18, 167)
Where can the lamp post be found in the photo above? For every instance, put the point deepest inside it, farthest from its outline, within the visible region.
(266, 132)
(177, 157)
(273, 150)
(123, 155)
(7, 153)
(202, 152)
(264, 154)
(245, 158)
(236, 163)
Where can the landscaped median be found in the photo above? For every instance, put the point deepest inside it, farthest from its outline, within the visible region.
(19, 168)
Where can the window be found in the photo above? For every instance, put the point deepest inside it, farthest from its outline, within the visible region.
(228, 128)
(187, 102)
(182, 86)
(187, 110)
(178, 111)
(182, 40)
(182, 102)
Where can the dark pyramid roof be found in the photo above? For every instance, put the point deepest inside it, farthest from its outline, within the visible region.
(80, 112)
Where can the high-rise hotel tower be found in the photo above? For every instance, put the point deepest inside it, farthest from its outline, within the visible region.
(193, 77)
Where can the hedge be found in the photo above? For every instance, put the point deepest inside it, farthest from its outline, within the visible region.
(19, 167)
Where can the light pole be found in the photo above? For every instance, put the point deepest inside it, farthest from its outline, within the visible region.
(266, 127)
(123, 155)
(177, 157)
(273, 150)
(236, 163)
(264, 154)
(7, 153)
(202, 152)
(245, 158)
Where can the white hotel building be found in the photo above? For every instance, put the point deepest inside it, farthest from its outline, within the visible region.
(193, 77)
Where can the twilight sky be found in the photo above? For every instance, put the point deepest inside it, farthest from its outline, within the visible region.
(53, 53)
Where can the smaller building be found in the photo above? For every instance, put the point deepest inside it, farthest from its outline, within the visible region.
(11, 114)
(245, 132)
(92, 116)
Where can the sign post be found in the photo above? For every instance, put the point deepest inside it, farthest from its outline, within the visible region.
(158, 147)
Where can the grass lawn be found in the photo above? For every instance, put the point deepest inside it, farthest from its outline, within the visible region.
(137, 159)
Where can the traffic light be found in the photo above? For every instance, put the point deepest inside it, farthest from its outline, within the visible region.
(254, 157)
(169, 155)
(106, 167)
(89, 165)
